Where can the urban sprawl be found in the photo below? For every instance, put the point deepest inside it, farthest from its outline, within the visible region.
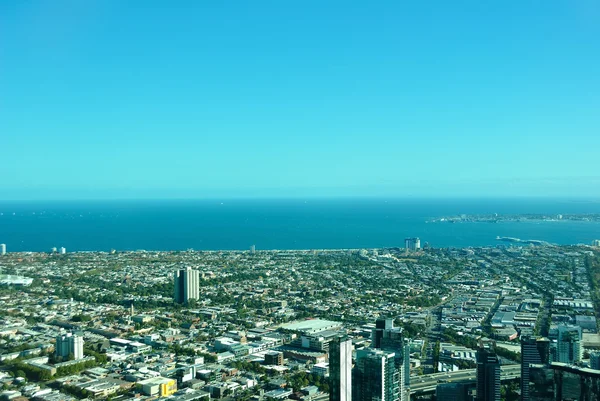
(494, 323)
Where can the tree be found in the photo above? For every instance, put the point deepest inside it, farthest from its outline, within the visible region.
(81, 318)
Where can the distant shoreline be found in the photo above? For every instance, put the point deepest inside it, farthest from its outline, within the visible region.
(512, 241)
(518, 218)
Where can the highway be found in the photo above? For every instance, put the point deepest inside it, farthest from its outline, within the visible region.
(427, 383)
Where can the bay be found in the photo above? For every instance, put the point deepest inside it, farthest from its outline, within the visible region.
(214, 224)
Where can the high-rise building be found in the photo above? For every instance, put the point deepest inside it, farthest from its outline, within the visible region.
(187, 285)
(253, 249)
(374, 376)
(2, 249)
(563, 381)
(412, 244)
(575, 383)
(406, 356)
(541, 383)
(488, 375)
(595, 360)
(381, 325)
(69, 344)
(533, 351)
(568, 347)
(340, 369)
(596, 242)
(391, 339)
(63, 250)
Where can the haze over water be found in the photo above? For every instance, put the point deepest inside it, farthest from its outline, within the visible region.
(279, 224)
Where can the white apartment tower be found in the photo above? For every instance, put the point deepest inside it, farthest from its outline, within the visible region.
(69, 344)
(412, 244)
(187, 285)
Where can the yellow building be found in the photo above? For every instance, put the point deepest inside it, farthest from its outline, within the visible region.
(158, 386)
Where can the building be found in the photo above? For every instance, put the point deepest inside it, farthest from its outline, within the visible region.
(2, 249)
(596, 242)
(488, 375)
(587, 323)
(158, 386)
(412, 244)
(595, 360)
(541, 383)
(16, 281)
(389, 338)
(568, 347)
(278, 394)
(562, 381)
(310, 390)
(63, 250)
(311, 326)
(381, 325)
(340, 369)
(320, 369)
(253, 249)
(374, 376)
(533, 351)
(575, 383)
(69, 344)
(187, 285)
(313, 334)
(274, 358)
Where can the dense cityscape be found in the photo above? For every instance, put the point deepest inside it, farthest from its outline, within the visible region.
(417, 179)
(505, 322)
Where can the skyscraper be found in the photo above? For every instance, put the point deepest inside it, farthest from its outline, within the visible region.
(69, 344)
(412, 244)
(533, 351)
(381, 325)
(575, 383)
(374, 376)
(488, 375)
(340, 369)
(541, 383)
(391, 339)
(2, 249)
(63, 250)
(187, 285)
(569, 348)
(595, 360)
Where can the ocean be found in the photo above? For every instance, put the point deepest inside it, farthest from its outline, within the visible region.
(279, 224)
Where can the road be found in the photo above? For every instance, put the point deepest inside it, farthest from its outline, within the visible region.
(427, 383)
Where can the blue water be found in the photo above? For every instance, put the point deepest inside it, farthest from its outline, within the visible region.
(277, 224)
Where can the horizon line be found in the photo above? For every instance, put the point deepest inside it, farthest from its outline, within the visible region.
(309, 197)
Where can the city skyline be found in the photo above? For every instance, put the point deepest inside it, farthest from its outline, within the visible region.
(110, 100)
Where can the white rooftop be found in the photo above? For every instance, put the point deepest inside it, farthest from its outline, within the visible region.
(311, 326)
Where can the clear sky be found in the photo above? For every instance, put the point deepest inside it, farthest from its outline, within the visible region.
(144, 98)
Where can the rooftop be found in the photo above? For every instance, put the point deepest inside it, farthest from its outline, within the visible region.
(311, 326)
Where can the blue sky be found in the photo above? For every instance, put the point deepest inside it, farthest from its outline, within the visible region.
(110, 99)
